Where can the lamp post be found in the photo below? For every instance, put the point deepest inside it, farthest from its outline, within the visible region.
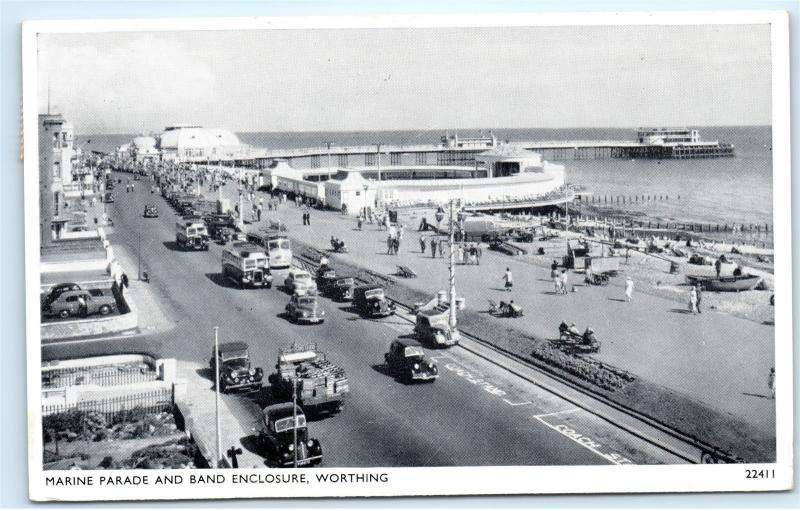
(452, 320)
(366, 204)
(294, 421)
(216, 396)
(378, 189)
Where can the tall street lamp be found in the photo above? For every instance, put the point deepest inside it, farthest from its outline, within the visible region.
(216, 397)
(452, 320)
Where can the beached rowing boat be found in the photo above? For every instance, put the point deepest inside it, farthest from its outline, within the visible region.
(731, 283)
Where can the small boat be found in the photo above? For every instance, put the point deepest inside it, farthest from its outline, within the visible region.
(731, 283)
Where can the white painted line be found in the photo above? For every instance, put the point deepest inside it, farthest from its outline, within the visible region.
(517, 404)
(558, 413)
(585, 442)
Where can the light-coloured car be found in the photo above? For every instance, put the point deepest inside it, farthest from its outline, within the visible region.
(299, 282)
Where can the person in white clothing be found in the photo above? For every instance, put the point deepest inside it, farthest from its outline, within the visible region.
(628, 289)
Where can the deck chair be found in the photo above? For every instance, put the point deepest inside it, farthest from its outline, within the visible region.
(406, 272)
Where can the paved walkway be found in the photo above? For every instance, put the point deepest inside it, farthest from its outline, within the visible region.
(719, 359)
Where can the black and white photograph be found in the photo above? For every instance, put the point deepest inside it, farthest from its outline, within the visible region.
(388, 256)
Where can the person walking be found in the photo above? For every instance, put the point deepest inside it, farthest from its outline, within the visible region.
(389, 245)
(628, 289)
(564, 279)
(360, 221)
(441, 247)
(83, 310)
(718, 265)
(259, 211)
(478, 253)
(699, 292)
(771, 382)
(396, 244)
(433, 248)
(508, 280)
(308, 217)
(693, 300)
(422, 244)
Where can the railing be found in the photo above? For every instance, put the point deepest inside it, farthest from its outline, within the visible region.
(116, 409)
(104, 377)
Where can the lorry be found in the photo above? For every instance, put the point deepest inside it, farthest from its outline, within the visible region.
(432, 325)
(191, 233)
(306, 373)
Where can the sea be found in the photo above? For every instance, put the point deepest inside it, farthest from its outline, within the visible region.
(713, 191)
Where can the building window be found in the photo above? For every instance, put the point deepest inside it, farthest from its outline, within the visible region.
(56, 169)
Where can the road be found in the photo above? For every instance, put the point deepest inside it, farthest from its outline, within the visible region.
(474, 414)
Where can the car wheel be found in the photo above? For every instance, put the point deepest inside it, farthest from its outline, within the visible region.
(105, 310)
(64, 314)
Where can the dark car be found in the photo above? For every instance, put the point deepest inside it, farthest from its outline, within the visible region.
(235, 370)
(283, 438)
(371, 301)
(305, 309)
(68, 303)
(406, 359)
(108, 198)
(220, 226)
(336, 287)
(150, 211)
(56, 291)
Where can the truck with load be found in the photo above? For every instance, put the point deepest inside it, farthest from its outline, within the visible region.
(317, 384)
(191, 233)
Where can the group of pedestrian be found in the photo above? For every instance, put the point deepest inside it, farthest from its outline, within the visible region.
(306, 216)
(435, 245)
(393, 238)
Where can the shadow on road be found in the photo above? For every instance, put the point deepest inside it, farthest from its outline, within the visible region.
(252, 444)
(616, 300)
(680, 311)
(171, 245)
(220, 280)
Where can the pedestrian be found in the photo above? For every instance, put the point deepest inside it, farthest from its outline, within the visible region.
(360, 221)
(771, 382)
(564, 281)
(308, 218)
(556, 280)
(433, 248)
(389, 245)
(396, 244)
(718, 266)
(83, 310)
(478, 253)
(259, 210)
(699, 292)
(422, 244)
(693, 300)
(628, 289)
(509, 280)
(441, 247)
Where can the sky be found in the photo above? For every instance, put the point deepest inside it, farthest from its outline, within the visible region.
(410, 78)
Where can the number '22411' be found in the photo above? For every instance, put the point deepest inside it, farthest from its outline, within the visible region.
(760, 474)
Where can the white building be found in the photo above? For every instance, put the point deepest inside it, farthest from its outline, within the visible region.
(188, 143)
(503, 175)
(143, 149)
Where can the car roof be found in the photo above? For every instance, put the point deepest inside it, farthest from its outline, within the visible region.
(369, 287)
(280, 411)
(232, 346)
(407, 343)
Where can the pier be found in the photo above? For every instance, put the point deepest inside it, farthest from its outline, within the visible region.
(439, 154)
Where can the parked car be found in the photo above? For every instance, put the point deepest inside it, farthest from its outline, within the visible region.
(305, 309)
(150, 211)
(371, 301)
(406, 359)
(299, 282)
(68, 303)
(56, 291)
(283, 438)
(235, 370)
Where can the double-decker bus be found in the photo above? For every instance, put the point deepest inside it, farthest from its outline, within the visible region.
(246, 265)
(277, 245)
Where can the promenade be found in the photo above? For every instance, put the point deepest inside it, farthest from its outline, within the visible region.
(713, 357)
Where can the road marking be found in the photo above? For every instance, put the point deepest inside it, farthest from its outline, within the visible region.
(586, 442)
(517, 404)
(557, 413)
